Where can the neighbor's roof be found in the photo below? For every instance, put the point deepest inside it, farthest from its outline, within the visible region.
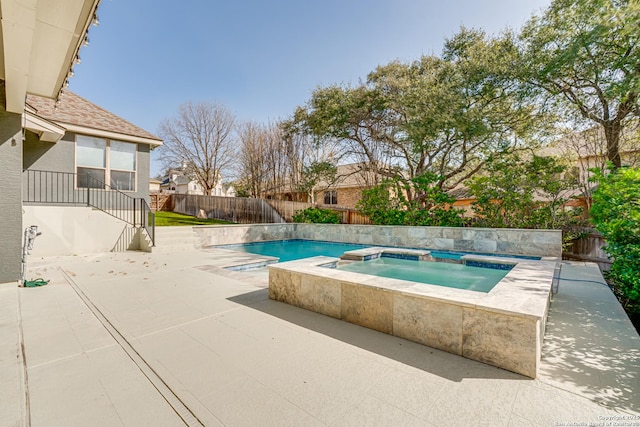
(181, 180)
(76, 114)
(461, 193)
(592, 143)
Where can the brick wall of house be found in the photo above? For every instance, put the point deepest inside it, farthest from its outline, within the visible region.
(348, 197)
(466, 206)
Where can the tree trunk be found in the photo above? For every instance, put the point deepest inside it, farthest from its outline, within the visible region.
(612, 130)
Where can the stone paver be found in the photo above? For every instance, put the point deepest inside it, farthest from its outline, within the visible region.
(234, 357)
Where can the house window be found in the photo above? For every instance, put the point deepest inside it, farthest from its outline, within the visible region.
(122, 164)
(100, 161)
(331, 197)
(91, 158)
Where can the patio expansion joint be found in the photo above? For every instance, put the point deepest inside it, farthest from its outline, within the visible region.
(190, 322)
(71, 356)
(22, 361)
(178, 406)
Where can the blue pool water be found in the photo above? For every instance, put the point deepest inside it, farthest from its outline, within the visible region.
(433, 273)
(289, 250)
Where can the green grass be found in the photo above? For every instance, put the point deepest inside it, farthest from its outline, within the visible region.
(165, 219)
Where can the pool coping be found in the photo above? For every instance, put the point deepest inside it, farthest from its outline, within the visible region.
(504, 327)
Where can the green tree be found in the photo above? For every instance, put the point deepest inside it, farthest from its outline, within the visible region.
(380, 204)
(386, 204)
(315, 176)
(440, 115)
(517, 193)
(584, 56)
(616, 214)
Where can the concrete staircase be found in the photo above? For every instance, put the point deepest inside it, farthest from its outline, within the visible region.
(133, 239)
(171, 239)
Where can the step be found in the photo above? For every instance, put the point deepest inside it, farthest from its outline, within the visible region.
(160, 248)
(175, 230)
(175, 239)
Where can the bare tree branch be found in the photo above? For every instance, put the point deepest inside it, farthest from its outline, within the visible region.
(200, 139)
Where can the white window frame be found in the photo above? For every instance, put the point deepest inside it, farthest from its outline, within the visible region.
(107, 167)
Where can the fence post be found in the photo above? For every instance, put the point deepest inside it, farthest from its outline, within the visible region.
(153, 228)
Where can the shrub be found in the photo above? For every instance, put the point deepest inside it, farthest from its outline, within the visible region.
(527, 193)
(387, 204)
(317, 216)
(616, 214)
(378, 205)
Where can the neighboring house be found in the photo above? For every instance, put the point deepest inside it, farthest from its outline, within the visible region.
(223, 190)
(464, 200)
(587, 149)
(344, 191)
(85, 177)
(584, 151)
(579, 152)
(154, 186)
(37, 50)
(177, 182)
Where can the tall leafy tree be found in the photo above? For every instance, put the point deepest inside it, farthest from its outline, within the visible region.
(437, 115)
(524, 193)
(584, 57)
(386, 204)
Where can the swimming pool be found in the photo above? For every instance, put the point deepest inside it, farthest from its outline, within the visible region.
(459, 276)
(293, 249)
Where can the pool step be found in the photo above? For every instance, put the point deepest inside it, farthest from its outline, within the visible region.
(367, 254)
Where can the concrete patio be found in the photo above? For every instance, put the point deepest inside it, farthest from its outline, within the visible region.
(171, 338)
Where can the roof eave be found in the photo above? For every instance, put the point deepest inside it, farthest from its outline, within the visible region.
(112, 135)
(39, 45)
(45, 129)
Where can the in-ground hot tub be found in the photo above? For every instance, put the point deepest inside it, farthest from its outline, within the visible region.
(503, 327)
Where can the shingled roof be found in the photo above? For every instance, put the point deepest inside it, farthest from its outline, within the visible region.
(76, 111)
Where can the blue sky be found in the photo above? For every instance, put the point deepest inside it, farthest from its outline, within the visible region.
(261, 58)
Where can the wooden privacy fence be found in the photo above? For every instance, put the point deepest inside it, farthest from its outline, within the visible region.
(160, 202)
(244, 210)
(240, 210)
(288, 209)
(589, 248)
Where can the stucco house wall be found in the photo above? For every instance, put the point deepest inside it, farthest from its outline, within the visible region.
(10, 196)
(60, 157)
(37, 50)
(75, 219)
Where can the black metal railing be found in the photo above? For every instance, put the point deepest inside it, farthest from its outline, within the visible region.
(49, 187)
